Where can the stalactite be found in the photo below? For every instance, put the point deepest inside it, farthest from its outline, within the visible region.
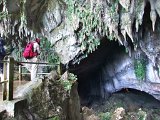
(129, 31)
(123, 31)
(5, 24)
(13, 31)
(91, 3)
(153, 15)
(124, 22)
(111, 21)
(31, 33)
(127, 20)
(107, 20)
(139, 11)
(118, 37)
(24, 31)
(125, 4)
(131, 19)
(157, 7)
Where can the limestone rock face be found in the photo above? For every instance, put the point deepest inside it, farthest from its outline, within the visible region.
(75, 27)
(120, 73)
(57, 20)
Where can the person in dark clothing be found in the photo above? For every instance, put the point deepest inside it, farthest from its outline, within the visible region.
(2, 55)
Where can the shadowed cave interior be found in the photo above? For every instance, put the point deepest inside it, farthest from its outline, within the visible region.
(89, 73)
(89, 70)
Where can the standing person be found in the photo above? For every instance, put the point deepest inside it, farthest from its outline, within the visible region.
(33, 68)
(2, 55)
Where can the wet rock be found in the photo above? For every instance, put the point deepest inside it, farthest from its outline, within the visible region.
(118, 114)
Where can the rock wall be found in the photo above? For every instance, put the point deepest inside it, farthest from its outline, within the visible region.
(66, 28)
(76, 28)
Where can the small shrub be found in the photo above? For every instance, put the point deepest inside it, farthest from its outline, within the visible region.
(54, 118)
(142, 115)
(140, 68)
(105, 116)
(68, 83)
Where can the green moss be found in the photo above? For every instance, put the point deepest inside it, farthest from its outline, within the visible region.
(142, 115)
(140, 68)
(105, 116)
(68, 83)
(48, 54)
(54, 118)
(3, 15)
(91, 23)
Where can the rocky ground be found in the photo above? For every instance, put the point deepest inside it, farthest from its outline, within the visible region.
(134, 105)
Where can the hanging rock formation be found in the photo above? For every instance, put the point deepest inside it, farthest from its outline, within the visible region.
(76, 28)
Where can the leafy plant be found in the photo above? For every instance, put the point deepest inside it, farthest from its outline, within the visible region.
(89, 17)
(140, 68)
(47, 52)
(90, 23)
(4, 15)
(68, 83)
(105, 116)
(54, 118)
(142, 115)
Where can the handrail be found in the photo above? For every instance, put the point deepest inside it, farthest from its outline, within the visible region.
(33, 62)
(36, 63)
(3, 61)
(8, 68)
(41, 64)
(20, 71)
(1, 82)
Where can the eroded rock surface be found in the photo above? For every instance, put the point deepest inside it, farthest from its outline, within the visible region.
(124, 21)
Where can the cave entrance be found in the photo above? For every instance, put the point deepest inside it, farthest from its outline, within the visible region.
(89, 70)
(89, 73)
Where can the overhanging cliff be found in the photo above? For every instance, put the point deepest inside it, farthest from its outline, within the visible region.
(77, 28)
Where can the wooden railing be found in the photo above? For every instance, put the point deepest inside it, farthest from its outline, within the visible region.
(7, 81)
(8, 75)
(40, 65)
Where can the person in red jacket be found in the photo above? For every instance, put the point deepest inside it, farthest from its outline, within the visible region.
(33, 68)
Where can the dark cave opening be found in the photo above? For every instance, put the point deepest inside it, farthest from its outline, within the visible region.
(89, 73)
(89, 70)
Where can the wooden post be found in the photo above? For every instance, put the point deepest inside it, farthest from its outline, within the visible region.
(20, 73)
(10, 74)
(4, 85)
(59, 69)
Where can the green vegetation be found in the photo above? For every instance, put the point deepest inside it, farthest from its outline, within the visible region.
(54, 118)
(23, 13)
(142, 115)
(105, 116)
(140, 68)
(68, 83)
(47, 52)
(3, 15)
(89, 23)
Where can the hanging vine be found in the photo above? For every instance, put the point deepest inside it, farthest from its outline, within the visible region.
(89, 17)
(23, 19)
(5, 19)
(140, 66)
(91, 25)
(4, 12)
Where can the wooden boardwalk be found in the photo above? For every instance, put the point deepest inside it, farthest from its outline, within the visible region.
(16, 84)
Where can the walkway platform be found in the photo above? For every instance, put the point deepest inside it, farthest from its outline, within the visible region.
(21, 90)
(16, 84)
